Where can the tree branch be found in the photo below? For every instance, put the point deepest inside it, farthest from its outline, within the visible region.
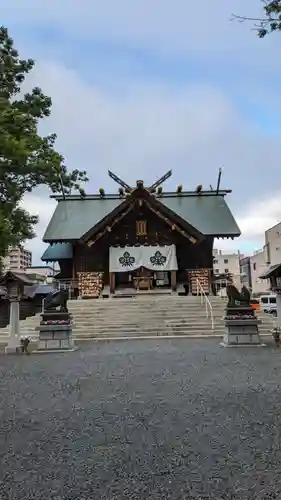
(269, 23)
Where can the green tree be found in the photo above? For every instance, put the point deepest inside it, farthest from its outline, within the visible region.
(26, 159)
(270, 22)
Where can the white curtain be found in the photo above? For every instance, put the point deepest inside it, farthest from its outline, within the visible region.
(156, 258)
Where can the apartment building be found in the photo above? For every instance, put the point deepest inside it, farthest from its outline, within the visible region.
(44, 271)
(40, 274)
(17, 259)
(245, 272)
(272, 246)
(258, 265)
(227, 264)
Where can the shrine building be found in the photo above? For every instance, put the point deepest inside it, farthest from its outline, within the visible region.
(140, 238)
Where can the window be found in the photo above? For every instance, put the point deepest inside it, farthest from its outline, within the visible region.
(254, 266)
(225, 261)
(226, 270)
(215, 261)
(141, 228)
(217, 271)
(272, 300)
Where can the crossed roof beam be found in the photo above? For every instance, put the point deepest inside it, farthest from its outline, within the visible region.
(128, 188)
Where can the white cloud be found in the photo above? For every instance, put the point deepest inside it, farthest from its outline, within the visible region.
(146, 130)
(259, 216)
(178, 26)
(38, 203)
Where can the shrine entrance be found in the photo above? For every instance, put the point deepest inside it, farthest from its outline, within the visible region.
(143, 279)
(143, 267)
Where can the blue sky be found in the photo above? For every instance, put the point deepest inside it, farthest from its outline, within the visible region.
(144, 86)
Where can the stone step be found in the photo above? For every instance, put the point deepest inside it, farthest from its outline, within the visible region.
(143, 305)
(133, 303)
(148, 331)
(137, 303)
(160, 324)
(80, 329)
(92, 318)
(148, 326)
(123, 334)
(149, 298)
(86, 321)
(142, 326)
(134, 310)
(149, 312)
(151, 334)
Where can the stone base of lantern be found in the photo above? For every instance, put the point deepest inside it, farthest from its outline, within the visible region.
(13, 346)
(246, 336)
(53, 336)
(242, 332)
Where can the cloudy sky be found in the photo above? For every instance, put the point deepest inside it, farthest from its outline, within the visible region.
(142, 86)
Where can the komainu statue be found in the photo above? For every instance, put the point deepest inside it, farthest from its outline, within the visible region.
(238, 298)
(56, 299)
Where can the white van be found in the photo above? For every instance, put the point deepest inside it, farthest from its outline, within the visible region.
(268, 304)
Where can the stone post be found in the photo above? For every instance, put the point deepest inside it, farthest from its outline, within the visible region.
(14, 345)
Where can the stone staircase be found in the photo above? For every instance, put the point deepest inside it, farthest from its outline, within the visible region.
(143, 316)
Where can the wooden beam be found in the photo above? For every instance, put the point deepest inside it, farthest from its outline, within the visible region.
(171, 224)
(219, 181)
(160, 181)
(108, 228)
(118, 180)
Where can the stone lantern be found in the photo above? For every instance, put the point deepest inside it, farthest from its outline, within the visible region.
(274, 276)
(14, 285)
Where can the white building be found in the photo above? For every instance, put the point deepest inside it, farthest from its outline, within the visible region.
(259, 265)
(273, 245)
(41, 274)
(45, 271)
(227, 263)
(17, 259)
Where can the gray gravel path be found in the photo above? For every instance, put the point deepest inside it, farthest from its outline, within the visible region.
(141, 420)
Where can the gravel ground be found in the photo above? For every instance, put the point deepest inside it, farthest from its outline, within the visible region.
(141, 420)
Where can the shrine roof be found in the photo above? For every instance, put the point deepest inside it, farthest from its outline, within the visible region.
(57, 251)
(270, 271)
(209, 214)
(74, 216)
(20, 277)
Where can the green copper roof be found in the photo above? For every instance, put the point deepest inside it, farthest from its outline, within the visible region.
(208, 213)
(57, 251)
(74, 217)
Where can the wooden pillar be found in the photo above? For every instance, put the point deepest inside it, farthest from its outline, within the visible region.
(174, 280)
(112, 282)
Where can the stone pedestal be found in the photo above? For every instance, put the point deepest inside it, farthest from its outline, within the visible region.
(14, 344)
(55, 332)
(242, 327)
